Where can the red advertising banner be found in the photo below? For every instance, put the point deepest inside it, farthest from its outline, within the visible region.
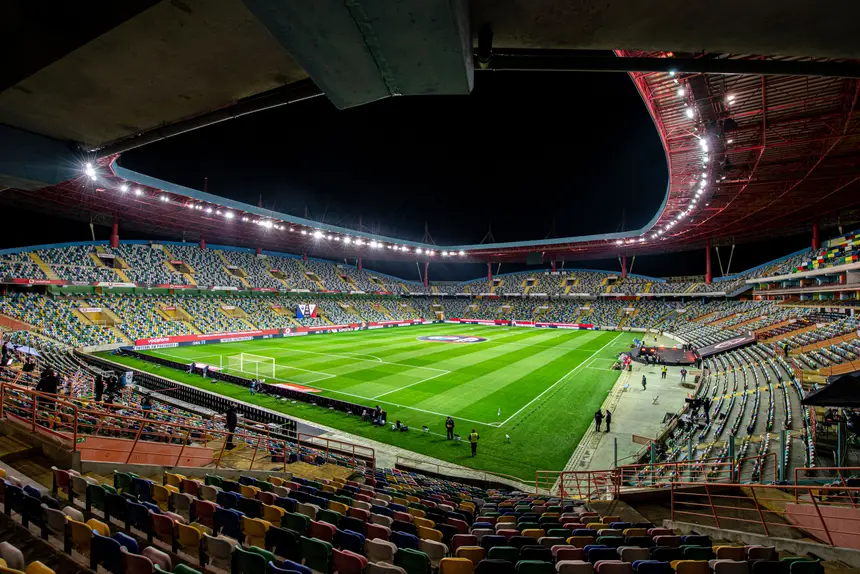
(206, 337)
(19, 281)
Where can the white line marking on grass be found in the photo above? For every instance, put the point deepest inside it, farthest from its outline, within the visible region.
(342, 356)
(409, 385)
(570, 372)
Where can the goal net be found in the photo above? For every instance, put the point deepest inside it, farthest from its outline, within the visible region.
(256, 365)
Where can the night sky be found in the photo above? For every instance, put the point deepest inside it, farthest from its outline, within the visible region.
(529, 156)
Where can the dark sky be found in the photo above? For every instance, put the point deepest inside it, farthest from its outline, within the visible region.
(530, 155)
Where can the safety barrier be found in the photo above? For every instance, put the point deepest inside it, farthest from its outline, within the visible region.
(104, 432)
(771, 510)
(608, 484)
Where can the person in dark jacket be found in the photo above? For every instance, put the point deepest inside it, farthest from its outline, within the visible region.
(598, 419)
(99, 387)
(608, 419)
(449, 426)
(49, 383)
(232, 421)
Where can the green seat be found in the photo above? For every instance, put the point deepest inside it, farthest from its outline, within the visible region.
(247, 562)
(413, 561)
(563, 532)
(535, 567)
(96, 496)
(123, 481)
(265, 486)
(213, 480)
(689, 552)
(527, 525)
(342, 499)
(418, 506)
(804, 566)
(183, 569)
(314, 484)
(616, 541)
(298, 522)
(269, 556)
(508, 553)
(317, 554)
(329, 516)
(553, 508)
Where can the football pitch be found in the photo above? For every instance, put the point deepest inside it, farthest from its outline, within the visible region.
(540, 387)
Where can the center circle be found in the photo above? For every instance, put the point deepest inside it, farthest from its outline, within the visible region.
(452, 339)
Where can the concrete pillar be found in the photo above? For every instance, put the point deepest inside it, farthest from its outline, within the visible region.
(304, 254)
(489, 272)
(623, 266)
(708, 276)
(259, 251)
(816, 241)
(202, 243)
(114, 234)
(552, 262)
(426, 276)
(359, 263)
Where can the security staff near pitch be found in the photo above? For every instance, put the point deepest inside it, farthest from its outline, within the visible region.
(473, 440)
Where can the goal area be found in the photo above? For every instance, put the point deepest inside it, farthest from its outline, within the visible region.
(250, 364)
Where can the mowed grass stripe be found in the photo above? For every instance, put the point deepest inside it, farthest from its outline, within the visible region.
(470, 384)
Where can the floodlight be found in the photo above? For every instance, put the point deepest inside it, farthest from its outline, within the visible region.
(123, 188)
(689, 113)
(229, 214)
(619, 242)
(462, 252)
(347, 240)
(681, 92)
(138, 191)
(419, 251)
(317, 234)
(304, 232)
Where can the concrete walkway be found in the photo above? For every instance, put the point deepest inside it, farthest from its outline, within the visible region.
(634, 412)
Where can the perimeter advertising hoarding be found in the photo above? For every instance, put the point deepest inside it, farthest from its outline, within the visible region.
(183, 340)
(726, 345)
(503, 323)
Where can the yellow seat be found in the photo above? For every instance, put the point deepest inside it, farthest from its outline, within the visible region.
(416, 512)
(38, 568)
(249, 491)
(273, 514)
(534, 532)
(99, 526)
(425, 522)
(328, 488)
(737, 553)
(638, 532)
(201, 528)
(429, 534)
(470, 506)
(456, 566)
(2, 473)
(188, 538)
(506, 519)
(610, 519)
(160, 495)
(580, 541)
(551, 515)
(338, 507)
(173, 479)
(691, 567)
(472, 553)
(597, 526)
(81, 536)
(276, 481)
(413, 499)
(254, 530)
(402, 501)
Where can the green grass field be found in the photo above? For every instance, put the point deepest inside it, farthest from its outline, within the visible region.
(547, 383)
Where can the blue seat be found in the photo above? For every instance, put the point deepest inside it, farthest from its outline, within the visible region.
(381, 510)
(126, 542)
(250, 507)
(248, 480)
(153, 507)
(585, 532)
(226, 499)
(652, 567)
(404, 540)
(115, 507)
(228, 522)
(299, 496)
(291, 566)
(349, 540)
(106, 552)
(142, 489)
(318, 500)
(137, 516)
(273, 569)
(492, 540)
(288, 504)
(397, 507)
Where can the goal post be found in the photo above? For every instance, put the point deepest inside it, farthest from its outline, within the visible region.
(250, 364)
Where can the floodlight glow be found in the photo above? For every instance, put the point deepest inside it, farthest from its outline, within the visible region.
(419, 251)
(671, 73)
(619, 242)
(359, 242)
(164, 198)
(329, 237)
(208, 210)
(462, 252)
(337, 238)
(304, 232)
(89, 165)
(731, 98)
(123, 188)
(641, 240)
(244, 219)
(138, 191)
(317, 234)
(706, 159)
(229, 215)
(444, 254)
(347, 240)
(689, 113)
(730, 140)
(267, 224)
(681, 92)
(373, 243)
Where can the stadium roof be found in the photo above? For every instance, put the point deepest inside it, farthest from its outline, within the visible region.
(775, 151)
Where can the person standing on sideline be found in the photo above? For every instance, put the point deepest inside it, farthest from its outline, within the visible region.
(683, 374)
(473, 440)
(99, 388)
(598, 419)
(253, 386)
(663, 371)
(449, 426)
(643, 382)
(608, 419)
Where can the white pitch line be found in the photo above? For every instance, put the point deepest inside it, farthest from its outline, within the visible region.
(570, 372)
(409, 385)
(340, 356)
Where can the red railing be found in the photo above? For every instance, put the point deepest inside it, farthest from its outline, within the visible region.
(71, 420)
(831, 474)
(780, 511)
